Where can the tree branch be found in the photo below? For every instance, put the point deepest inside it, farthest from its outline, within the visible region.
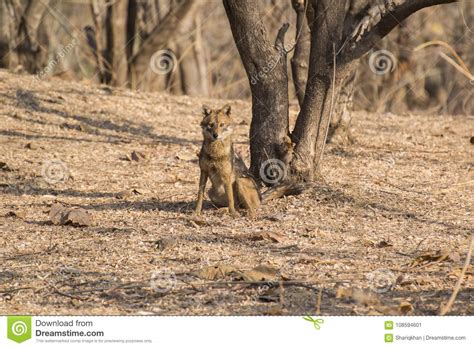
(280, 39)
(380, 21)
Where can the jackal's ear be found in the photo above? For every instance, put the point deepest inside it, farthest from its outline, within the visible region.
(206, 110)
(226, 109)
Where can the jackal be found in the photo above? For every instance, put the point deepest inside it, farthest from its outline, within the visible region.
(232, 184)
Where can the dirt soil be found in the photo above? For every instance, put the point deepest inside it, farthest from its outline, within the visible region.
(386, 232)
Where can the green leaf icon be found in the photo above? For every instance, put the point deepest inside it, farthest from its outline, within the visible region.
(19, 328)
(316, 322)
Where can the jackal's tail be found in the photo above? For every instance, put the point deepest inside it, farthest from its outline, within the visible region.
(283, 189)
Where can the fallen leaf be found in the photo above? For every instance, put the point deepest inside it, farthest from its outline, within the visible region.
(197, 221)
(17, 214)
(260, 273)
(134, 156)
(165, 243)
(216, 272)
(4, 167)
(405, 307)
(384, 244)
(137, 156)
(368, 243)
(430, 257)
(60, 215)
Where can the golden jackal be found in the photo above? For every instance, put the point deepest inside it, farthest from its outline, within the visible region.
(232, 183)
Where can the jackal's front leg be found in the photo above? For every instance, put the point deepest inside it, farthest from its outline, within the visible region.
(230, 197)
(202, 188)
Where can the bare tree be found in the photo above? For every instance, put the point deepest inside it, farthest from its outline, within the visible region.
(192, 65)
(157, 40)
(116, 31)
(25, 48)
(341, 33)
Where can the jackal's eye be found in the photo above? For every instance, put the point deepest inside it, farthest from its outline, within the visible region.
(210, 125)
(221, 125)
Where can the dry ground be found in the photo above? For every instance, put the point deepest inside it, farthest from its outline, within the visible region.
(387, 232)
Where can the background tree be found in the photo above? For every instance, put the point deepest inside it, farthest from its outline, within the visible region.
(25, 48)
(341, 33)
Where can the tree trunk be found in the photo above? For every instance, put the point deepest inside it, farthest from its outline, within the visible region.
(193, 74)
(300, 59)
(93, 38)
(144, 68)
(132, 14)
(25, 49)
(341, 118)
(266, 68)
(116, 32)
(4, 35)
(324, 77)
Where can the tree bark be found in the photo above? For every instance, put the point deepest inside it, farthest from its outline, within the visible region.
(93, 38)
(341, 118)
(324, 77)
(25, 47)
(266, 67)
(193, 74)
(300, 59)
(158, 39)
(116, 32)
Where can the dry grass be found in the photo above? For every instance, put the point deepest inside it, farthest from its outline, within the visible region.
(400, 193)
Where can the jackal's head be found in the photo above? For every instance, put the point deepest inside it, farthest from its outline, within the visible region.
(217, 123)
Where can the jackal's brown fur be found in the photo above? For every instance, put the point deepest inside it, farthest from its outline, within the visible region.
(232, 184)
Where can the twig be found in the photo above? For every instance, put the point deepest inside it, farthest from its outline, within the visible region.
(9, 291)
(280, 39)
(445, 309)
(464, 68)
(318, 302)
(59, 292)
